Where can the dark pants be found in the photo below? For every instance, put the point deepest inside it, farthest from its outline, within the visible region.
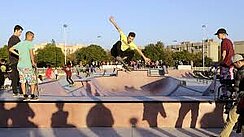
(70, 81)
(14, 76)
(117, 52)
(1, 79)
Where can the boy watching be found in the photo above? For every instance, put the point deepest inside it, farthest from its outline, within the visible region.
(26, 63)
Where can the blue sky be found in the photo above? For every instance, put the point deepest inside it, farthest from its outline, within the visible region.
(155, 20)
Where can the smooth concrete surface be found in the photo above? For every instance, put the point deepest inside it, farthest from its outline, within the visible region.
(111, 132)
(146, 114)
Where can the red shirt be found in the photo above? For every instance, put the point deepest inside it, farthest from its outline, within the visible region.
(227, 45)
(49, 73)
(67, 70)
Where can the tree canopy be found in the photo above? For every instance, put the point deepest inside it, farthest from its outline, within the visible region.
(4, 53)
(91, 53)
(49, 55)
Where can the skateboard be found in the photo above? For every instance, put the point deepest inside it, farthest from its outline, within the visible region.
(126, 68)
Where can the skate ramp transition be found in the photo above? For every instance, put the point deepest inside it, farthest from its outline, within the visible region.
(135, 83)
(148, 104)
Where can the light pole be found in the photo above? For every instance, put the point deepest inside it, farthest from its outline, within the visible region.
(65, 42)
(54, 43)
(203, 47)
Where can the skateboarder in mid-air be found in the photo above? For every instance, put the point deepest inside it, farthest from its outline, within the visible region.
(123, 50)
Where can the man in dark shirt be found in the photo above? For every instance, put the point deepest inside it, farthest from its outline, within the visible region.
(1, 73)
(13, 40)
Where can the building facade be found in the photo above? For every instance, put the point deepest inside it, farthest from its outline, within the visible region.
(239, 47)
(211, 48)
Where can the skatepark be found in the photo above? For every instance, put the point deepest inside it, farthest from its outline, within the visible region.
(121, 101)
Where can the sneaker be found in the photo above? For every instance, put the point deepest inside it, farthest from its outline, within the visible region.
(21, 96)
(33, 97)
(71, 85)
(16, 95)
(26, 97)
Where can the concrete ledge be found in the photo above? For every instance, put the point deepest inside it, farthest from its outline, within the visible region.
(108, 132)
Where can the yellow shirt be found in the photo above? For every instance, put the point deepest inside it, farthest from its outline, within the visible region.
(125, 45)
(3, 68)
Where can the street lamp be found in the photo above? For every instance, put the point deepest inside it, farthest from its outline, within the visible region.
(65, 42)
(203, 50)
(54, 43)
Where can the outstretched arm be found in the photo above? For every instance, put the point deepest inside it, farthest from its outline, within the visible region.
(143, 56)
(111, 19)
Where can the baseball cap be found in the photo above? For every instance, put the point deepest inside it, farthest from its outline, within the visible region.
(237, 57)
(222, 30)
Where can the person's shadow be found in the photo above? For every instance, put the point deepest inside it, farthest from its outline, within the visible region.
(88, 89)
(60, 126)
(59, 118)
(101, 116)
(186, 108)
(151, 111)
(215, 118)
(4, 116)
(20, 116)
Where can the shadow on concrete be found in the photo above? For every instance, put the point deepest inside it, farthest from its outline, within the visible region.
(186, 108)
(20, 115)
(4, 115)
(88, 89)
(151, 112)
(215, 118)
(164, 86)
(182, 130)
(100, 116)
(142, 132)
(164, 132)
(204, 132)
(59, 120)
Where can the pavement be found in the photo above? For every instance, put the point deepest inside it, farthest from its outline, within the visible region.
(137, 87)
(111, 132)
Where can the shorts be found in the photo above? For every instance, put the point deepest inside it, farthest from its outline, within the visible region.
(226, 73)
(27, 75)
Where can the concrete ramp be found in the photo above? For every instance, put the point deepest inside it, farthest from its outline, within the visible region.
(135, 83)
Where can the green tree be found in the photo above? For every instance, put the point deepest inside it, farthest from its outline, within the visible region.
(184, 56)
(72, 57)
(90, 53)
(168, 57)
(197, 59)
(4, 52)
(155, 51)
(49, 55)
(137, 56)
